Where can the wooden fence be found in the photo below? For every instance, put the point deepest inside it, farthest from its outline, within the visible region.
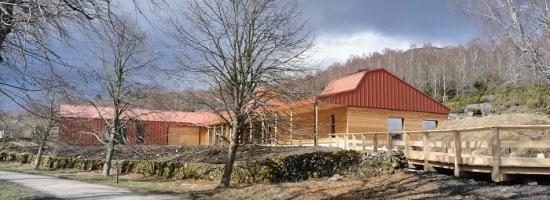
(499, 150)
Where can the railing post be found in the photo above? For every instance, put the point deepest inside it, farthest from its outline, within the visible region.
(389, 142)
(374, 142)
(406, 139)
(330, 140)
(363, 146)
(496, 175)
(426, 149)
(458, 153)
(345, 141)
(354, 143)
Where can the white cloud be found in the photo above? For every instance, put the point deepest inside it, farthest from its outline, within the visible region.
(338, 48)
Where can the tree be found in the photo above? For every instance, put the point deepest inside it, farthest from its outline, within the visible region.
(121, 56)
(32, 31)
(47, 111)
(238, 46)
(27, 30)
(527, 23)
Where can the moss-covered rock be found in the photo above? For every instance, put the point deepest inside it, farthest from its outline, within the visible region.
(277, 169)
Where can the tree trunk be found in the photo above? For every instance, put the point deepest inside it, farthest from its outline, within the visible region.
(231, 153)
(108, 157)
(38, 158)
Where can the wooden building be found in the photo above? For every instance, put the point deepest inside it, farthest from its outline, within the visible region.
(366, 101)
(84, 125)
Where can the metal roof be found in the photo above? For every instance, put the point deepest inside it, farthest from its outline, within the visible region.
(378, 88)
(91, 112)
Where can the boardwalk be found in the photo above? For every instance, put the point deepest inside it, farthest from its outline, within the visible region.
(500, 150)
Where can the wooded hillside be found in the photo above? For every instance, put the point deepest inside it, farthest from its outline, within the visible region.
(464, 74)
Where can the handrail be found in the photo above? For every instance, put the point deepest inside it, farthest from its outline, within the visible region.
(428, 158)
(472, 129)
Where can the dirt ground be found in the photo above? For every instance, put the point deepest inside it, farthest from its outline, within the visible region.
(496, 120)
(205, 154)
(402, 185)
(418, 185)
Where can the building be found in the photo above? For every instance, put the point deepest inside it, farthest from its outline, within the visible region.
(84, 125)
(365, 101)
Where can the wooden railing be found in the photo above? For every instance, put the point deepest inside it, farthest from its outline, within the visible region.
(478, 149)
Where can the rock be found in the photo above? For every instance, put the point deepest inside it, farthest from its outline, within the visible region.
(457, 197)
(540, 155)
(335, 177)
(395, 164)
(532, 183)
(508, 195)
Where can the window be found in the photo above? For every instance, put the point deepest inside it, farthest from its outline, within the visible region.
(395, 124)
(429, 125)
(332, 125)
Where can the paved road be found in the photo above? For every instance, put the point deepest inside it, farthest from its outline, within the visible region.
(71, 189)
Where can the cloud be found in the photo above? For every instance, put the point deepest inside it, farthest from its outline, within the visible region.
(331, 48)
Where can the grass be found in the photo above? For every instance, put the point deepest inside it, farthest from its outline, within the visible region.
(10, 191)
(15, 192)
(201, 189)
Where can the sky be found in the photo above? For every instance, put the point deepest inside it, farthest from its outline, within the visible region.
(357, 27)
(341, 29)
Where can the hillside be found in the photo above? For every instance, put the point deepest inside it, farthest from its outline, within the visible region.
(477, 72)
(494, 120)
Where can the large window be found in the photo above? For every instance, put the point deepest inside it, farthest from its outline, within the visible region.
(429, 125)
(395, 124)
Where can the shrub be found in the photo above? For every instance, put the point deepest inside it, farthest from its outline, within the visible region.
(532, 97)
(458, 103)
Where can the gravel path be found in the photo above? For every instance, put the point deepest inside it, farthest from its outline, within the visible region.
(419, 185)
(71, 189)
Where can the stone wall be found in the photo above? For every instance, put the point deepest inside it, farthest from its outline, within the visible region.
(277, 169)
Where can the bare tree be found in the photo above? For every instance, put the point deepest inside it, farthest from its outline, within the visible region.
(27, 30)
(526, 22)
(31, 32)
(240, 45)
(121, 56)
(46, 110)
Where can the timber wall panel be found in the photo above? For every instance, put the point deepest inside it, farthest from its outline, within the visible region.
(178, 135)
(203, 138)
(303, 123)
(375, 120)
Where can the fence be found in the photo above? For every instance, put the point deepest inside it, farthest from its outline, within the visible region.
(499, 150)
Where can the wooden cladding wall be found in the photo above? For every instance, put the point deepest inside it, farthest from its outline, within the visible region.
(302, 123)
(80, 131)
(77, 131)
(381, 89)
(183, 135)
(375, 120)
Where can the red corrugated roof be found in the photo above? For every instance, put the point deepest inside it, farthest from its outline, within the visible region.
(91, 112)
(379, 88)
(343, 84)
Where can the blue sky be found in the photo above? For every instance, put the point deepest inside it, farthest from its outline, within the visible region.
(341, 28)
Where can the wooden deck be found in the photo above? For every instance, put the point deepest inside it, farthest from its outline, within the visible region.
(499, 150)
